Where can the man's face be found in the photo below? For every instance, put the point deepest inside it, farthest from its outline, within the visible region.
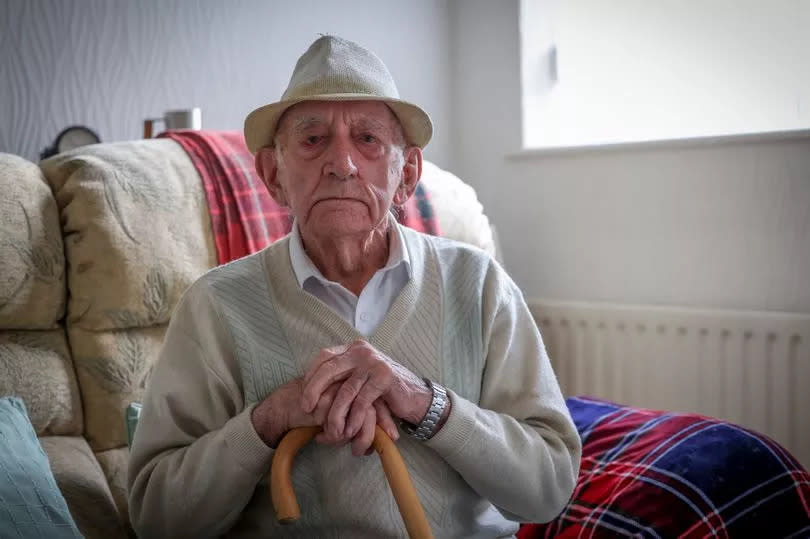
(339, 166)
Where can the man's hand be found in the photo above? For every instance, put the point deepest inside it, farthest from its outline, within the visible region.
(281, 411)
(364, 376)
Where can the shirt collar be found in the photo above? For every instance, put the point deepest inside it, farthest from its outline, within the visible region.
(304, 268)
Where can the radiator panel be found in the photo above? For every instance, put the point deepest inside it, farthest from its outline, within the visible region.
(748, 367)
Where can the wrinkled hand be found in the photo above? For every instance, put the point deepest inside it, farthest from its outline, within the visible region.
(282, 411)
(364, 376)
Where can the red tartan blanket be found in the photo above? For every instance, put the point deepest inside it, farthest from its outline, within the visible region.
(244, 217)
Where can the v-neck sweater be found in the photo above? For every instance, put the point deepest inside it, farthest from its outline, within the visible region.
(509, 451)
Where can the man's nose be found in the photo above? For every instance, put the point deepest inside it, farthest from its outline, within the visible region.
(340, 161)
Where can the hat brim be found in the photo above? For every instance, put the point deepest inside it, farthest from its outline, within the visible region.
(261, 124)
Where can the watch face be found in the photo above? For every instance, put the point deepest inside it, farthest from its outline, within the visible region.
(73, 137)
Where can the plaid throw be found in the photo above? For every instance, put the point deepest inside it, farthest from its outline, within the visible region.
(244, 217)
(657, 474)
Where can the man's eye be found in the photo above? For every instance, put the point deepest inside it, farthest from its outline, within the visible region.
(312, 140)
(368, 139)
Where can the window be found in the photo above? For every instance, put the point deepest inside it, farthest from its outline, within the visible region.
(600, 72)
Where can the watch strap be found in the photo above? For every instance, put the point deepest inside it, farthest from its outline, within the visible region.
(430, 423)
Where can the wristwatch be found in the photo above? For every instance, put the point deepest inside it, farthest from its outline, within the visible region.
(429, 424)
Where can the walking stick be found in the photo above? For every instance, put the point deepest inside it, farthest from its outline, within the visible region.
(281, 489)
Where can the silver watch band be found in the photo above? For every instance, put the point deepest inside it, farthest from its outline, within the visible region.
(430, 423)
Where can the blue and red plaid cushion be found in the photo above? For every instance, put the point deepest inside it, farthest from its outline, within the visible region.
(648, 473)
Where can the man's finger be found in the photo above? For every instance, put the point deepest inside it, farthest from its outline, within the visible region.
(366, 397)
(326, 438)
(321, 411)
(386, 420)
(346, 399)
(362, 442)
(326, 354)
(326, 374)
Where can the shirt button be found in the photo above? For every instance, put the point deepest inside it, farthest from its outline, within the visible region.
(364, 317)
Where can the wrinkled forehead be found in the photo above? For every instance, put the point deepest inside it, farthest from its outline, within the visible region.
(309, 114)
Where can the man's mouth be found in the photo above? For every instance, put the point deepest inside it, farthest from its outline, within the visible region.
(338, 199)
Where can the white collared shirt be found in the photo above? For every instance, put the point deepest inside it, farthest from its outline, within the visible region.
(367, 311)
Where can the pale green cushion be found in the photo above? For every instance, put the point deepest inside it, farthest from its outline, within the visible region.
(133, 414)
(31, 504)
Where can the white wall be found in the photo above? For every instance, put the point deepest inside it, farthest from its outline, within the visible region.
(723, 226)
(110, 64)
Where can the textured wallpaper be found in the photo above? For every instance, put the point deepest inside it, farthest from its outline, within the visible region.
(109, 64)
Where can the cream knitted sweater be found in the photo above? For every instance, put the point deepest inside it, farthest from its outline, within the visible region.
(508, 452)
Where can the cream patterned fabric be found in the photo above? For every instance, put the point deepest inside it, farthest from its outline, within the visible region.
(114, 465)
(137, 227)
(32, 263)
(112, 368)
(36, 366)
(84, 487)
(137, 234)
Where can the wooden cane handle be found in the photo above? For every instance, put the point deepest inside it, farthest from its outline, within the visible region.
(281, 489)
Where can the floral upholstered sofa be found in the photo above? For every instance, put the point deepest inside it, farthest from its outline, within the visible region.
(96, 248)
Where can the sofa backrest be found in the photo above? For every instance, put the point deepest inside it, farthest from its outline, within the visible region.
(34, 359)
(137, 233)
(97, 246)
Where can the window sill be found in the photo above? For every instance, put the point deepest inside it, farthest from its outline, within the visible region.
(694, 142)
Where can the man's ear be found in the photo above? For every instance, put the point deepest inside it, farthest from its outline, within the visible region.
(411, 172)
(267, 167)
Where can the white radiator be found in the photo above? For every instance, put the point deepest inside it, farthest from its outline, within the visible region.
(748, 367)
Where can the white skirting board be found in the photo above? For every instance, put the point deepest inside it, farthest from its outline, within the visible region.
(748, 367)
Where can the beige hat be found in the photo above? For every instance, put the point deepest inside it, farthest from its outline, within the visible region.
(334, 69)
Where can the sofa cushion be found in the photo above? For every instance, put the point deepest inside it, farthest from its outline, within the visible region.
(137, 231)
(36, 366)
(114, 465)
(32, 263)
(82, 482)
(31, 504)
(112, 368)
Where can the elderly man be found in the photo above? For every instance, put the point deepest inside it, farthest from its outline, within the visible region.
(349, 322)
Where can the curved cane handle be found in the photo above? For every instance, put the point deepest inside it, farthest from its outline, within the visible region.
(281, 489)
